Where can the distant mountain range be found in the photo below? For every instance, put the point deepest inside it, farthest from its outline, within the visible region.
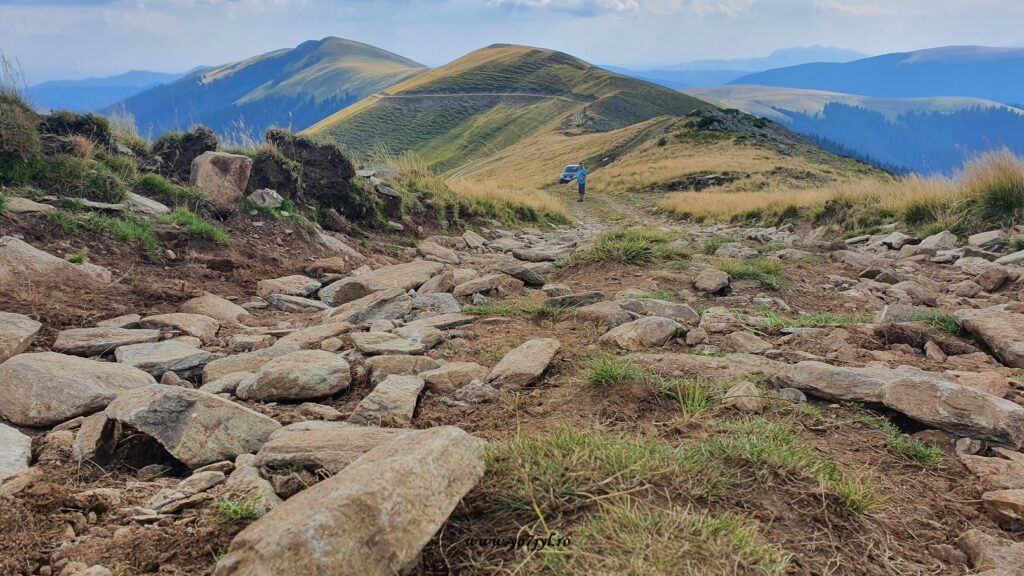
(715, 72)
(93, 94)
(291, 88)
(495, 97)
(925, 135)
(977, 71)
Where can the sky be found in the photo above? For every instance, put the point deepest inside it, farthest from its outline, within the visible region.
(69, 39)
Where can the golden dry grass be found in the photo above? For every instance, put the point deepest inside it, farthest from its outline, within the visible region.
(511, 195)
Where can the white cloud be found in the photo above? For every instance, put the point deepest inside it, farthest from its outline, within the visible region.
(859, 9)
(578, 7)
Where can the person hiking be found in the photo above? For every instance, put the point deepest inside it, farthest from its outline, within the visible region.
(581, 180)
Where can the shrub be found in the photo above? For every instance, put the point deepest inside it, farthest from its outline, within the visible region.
(90, 126)
(18, 136)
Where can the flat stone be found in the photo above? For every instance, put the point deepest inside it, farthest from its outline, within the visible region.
(746, 343)
(380, 367)
(326, 448)
(295, 285)
(443, 321)
(246, 362)
(574, 300)
(123, 321)
(711, 281)
(391, 403)
(301, 375)
(437, 253)
(407, 276)
(384, 305)
(525, 363)
(988, 552)
(147, 206)
(651, 307)
(312, 337)
(609, 313)
(435, 305)
(294, 303)
(1005, 507)
(168, 356)
(395, 496)
(195, 427)
(18, 205)
(373, 343)
(1002, 331)
(16, 334)
(860, 384)
(489, 283)
(198, 325)
(20, 260)
(216, 307)
(453, 375)
(529, 276)
(15, 451)
(99, 341)
(47, 388)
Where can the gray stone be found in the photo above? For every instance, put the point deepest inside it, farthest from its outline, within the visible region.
(221, 177)
(453, 375)
(373, 343)
(407, 276)
(98, 341)
(213, 306)
(746, 343)
(554, 290)
(47, 388)
(528, 275)
(329, 448)
(289, 303)
(266, 198)
(711, 281)
(489, 283)
(1014, 259)
(391, 403)
(525, 363)
(574, 300)
(992, 240)
(20, 261)
(648, 332)
(1002, 331)
(16, 334)
(609, 313)
(195, 427)
(301, 375)
(860, 384)
(651, 307)
(437, 253)
(15, 451)
(744, 397)
(198, 325)
(312, 337)
(246, 362)
(476, 392)
(168, 356)
(383, 305)
(295, 285)
(380, 367)
(435, 305)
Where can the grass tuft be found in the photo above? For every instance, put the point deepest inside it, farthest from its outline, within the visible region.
(940, 321)
(636, 246)
(514, 309)
(772, 318)
(196, 226)
(764, 270)
(693, 395)
(130, 230)
(928, 455)
(80, 257)
(608, 370)
(239, 510)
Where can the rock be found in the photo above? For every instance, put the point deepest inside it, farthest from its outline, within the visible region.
(1014, 259)
(528, 275)
(146, 206)
(990, 382)
(476, 392)
(1005, 507)
(19, 205)
(124, 321)
(735, 250)
(213, 306)
(396, 496)
(294, 303)
(992, 279)
(453, 375)
(384, 305)
(20, 261)
(442, 283)
(391, 403)
(266, 198)
(651, 307)
(380, 367)
(533, 255)
(435, 305)
(437, 253)
(99, 341)
(295, 285)
(607, 313)
(200, 481)
(168, 356)
(226, 384)
(247, 362)
(1002, 331)
(746, 343)
(697, 336)
(649, 332)
(574, 300)
(934, 352)
(425, 335)
(96, 438)
(221, 177)
(792, 395)
(202, 327)
(250, 342)
(525, 363)
(957, 409)
(944, 240)
(443, 321)
(744, 397)
(851, 383)
(15, 451)
(711, 281)
(489, 283)
(195, 427)
(554, 290)
(990, 552)
(301, 375)
(312, 337)
(993, 240)
(407, 276)
(323, 448)
(897, 240)
(16, 334)
(47, 388)
(473, 240)
(373, 343)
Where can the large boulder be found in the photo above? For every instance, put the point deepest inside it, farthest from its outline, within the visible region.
(16, 334)
(957, 409)
(407, 276)
(195, 427)
(488, 283)
(1002, 331)
(859, 384)
(295, 285)
(383, 305)
(101, 340)
(525, 363)
(392, 403)
(15, 451)
(47, 388)
(329, 448)
(248, 361)
(373, 517)
(648, 332)
(651, 307)
(221, 177)
(300, 375)
(19, 260)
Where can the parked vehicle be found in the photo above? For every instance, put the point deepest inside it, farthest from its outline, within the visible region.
(568, 173)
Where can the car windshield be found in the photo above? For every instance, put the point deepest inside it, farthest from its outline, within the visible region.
(571, 169)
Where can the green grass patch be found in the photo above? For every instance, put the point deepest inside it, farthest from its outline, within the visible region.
(155, 185)
(238, 510)
(3, 203)
(514, 309)
(608, 370)
(940, 321)
(196, 226)
(655, 295)
(764, 270)
(772, 318)
(693, 395)
(928, 455)
(1015, 244)
(710, 245)
(639, 246)
(128, 230)
(63, 220)
(80, 257)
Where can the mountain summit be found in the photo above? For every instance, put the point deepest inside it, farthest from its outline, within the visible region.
(292, 87)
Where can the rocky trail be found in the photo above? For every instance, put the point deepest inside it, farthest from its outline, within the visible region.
(640, 396)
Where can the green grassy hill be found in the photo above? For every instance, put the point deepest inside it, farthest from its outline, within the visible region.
(494, 98)
(288, 88)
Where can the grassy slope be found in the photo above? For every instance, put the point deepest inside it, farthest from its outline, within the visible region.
(494, 98)
(765, 101)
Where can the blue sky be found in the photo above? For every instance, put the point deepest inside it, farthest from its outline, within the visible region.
(79, 38)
